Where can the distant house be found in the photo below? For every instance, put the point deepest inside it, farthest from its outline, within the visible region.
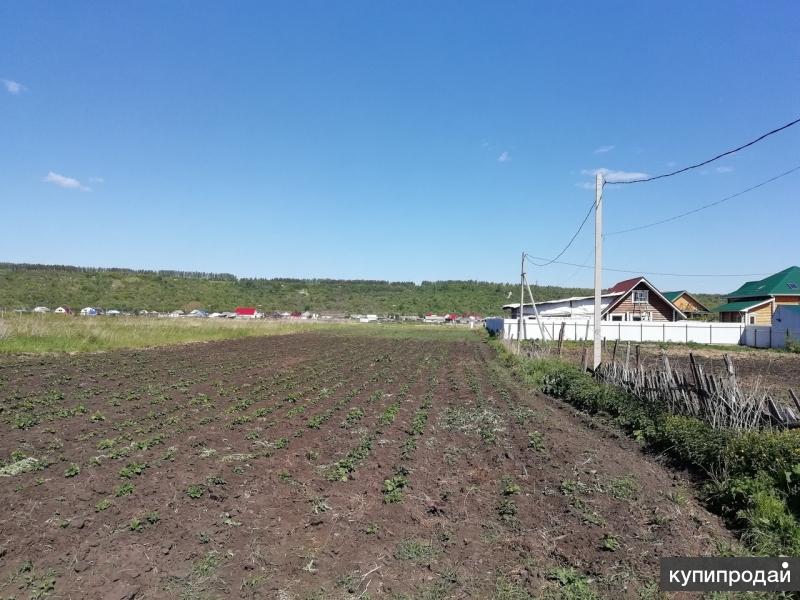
(41, 309)
(634, 299)
(432, 318)
(63, 310)
(245, 312)
(113, 312)
(687, 304)
(451, 318)
(755, 302)
(176, 313)
(89, 312)
(197, 314)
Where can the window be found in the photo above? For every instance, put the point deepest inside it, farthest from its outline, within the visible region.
(636, 317)
(752, 319)
(641, 296)
(617, 317)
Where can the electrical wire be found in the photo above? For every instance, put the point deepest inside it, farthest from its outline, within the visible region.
(637, 272)
(710, 160)
(704, 206)
(572, 239)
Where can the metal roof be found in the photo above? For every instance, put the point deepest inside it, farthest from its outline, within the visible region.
(742, 306)
(786, 282)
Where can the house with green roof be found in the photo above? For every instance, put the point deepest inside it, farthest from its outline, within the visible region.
(687, 304)
(755, 302)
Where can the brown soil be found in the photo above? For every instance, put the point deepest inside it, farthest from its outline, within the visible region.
(234, 419)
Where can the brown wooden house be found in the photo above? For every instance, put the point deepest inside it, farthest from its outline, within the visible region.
(634, 299)
(687, 304)
(639, 300)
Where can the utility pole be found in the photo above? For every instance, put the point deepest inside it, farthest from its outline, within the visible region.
(521, 304)
(598, 262)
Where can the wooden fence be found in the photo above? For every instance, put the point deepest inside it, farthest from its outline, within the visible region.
(717, 400)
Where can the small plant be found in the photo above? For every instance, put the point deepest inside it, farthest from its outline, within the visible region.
(126, 489)
(104, 504)
(416, 551)
(281, 443)
(610, 543)
(152, 517)
(136, 524)
(195, 491)
(371, 529)
(203, 537)
(319, 505)
(72, 470)
(535, 441)
(285, 476)
(132, 470)
(509, 487)
(393, 489)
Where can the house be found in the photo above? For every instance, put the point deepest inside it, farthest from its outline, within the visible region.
(88, 312)
(432, 318)
(687, 304)
(245, 312)
(450, 318)
(41, 309)
(786, 324)
(755, 302)
(634, 299)
(113, 312)
(63, 310)
(197, 314)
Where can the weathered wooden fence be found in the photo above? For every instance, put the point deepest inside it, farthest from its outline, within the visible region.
(718, 400)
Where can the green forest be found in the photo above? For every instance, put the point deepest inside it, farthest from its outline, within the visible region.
(27, 285)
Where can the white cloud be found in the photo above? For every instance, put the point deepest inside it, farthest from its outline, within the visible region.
(65, 182)
(13, 87)
(612, 176)
(604, 149)
(724, 169)
(96, 180)
(504, 157)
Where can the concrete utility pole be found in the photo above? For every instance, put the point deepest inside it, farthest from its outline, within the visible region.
(598, 263)
(521, 304)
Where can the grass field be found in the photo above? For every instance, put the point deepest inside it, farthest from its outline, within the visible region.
(57, 333)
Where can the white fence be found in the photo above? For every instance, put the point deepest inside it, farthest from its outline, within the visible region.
(764, 336)
(640, 331)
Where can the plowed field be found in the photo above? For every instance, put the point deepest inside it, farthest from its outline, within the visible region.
(321, 466)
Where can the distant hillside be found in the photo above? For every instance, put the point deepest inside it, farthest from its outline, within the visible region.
(23, 285)
(26, 286)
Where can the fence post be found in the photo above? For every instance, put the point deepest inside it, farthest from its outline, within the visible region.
(663, 332)
(755, 337)
(641, 331)
(710, 333)
(687, 333)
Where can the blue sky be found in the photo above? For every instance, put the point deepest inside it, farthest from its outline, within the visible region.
(396, 140)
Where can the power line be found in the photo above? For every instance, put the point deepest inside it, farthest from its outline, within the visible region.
(705, 206)
(572, 239)
(710, 160)
(637, 272)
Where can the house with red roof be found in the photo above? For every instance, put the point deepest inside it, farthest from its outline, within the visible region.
(245, 312)
(634, 299)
